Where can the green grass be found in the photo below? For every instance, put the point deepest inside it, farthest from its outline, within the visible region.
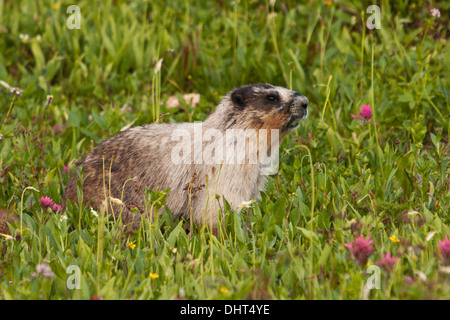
(339, 177)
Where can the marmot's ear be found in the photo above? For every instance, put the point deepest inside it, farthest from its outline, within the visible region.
(238, 96)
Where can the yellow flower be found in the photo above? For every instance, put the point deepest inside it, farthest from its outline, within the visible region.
(132, 245)
(55, 5)
(224, 290)
(6, 236)
(394, 238)
(153, 275)
(328, 3)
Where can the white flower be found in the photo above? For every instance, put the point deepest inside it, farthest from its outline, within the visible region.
(24, 37)
(116, 201)
(158, 65)
(271, 15)
(444, 270)
(94, 212)
(430, 236)
(44, 270)
(422, 276)
(62, 218)
(435, 13)
(246, 204)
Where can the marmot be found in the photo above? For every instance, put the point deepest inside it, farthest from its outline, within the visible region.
(192, 159)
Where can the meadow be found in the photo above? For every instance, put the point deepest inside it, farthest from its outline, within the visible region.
(359, 208)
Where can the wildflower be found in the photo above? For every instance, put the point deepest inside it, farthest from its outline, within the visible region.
(271, 15)
(365, 113)
(430, 236)
(94, 212)
(174, 250)
(116, 201)
(56, 208)
(422, 276)
(246, 204)
(62, 218)
(132, 245)
(158, 65)
(387, 262)
(194, 262)
(328, 3)
(96, 298)
(66, 169)
(6, 236)
(394, 238)
(24, 37)
(224, 290)
(361, 249)
(444, 249)
(153, 275)
(47, 202)
(435, 13)
(16, 91)
(44, 270)
(444, 270)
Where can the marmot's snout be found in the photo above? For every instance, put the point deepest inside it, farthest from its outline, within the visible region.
(298, 109)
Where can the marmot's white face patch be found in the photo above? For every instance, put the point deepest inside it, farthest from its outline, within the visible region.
(266, 106)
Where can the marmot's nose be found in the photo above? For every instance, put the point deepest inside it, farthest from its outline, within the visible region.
(303, 100)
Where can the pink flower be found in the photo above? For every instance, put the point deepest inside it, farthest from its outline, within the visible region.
(47, 202)
(44, 270)
(66, 169)
(435, 13)
(361, 249)
(387, 262)
(444, 249)
(365, 113)
(56, 208)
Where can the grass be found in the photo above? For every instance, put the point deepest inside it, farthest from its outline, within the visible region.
(339, 177)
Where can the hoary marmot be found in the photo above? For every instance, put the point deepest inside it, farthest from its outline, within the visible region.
(197, 161)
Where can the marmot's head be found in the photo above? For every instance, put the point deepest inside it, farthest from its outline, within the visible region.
(263, 106)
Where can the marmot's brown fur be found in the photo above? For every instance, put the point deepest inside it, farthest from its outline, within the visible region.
(146, 156)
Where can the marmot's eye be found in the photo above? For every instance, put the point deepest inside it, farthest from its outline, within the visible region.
(272, 97)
